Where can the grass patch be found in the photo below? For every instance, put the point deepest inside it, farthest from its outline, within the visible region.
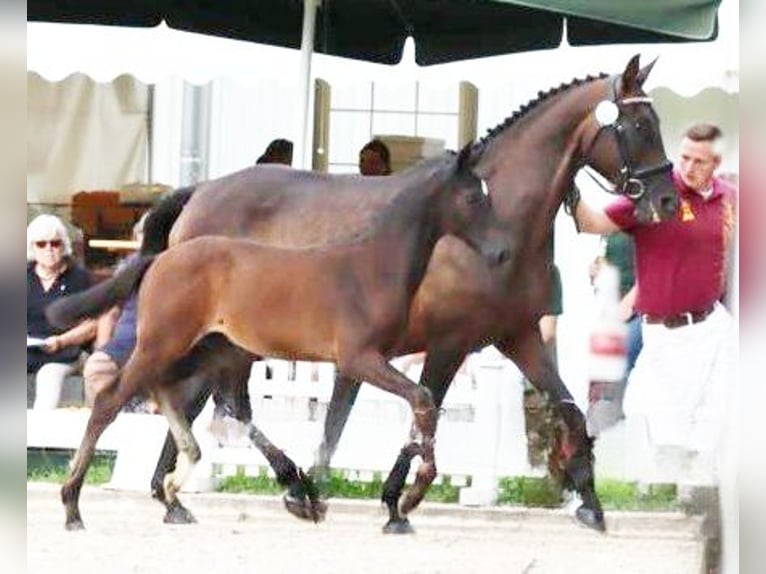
(618, 495)
(529, 491)
(52, 465)
(338, 486)
(614, 494)
(521, 491)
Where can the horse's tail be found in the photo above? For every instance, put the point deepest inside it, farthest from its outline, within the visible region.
(68, 311)
(161, 218)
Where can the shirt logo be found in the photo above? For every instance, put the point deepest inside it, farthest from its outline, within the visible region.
(686, 211)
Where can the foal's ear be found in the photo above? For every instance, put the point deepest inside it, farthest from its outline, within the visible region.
(467, 159)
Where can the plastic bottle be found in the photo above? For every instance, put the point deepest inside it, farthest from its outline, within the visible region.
(608, 353)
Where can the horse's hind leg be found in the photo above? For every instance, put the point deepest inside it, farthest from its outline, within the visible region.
(213, 366)
(438, 371)
(532, 358)
(373, 368)
(300, 486)
(105, 408)
(188, 455)
(302, 498)
(199, 390)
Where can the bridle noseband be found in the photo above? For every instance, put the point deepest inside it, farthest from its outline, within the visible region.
(630, 181)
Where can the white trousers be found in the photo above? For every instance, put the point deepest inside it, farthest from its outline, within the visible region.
(49, 381)
(680, 387)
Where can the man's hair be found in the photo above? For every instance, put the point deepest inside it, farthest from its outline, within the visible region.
(377, 146)
(703, 133)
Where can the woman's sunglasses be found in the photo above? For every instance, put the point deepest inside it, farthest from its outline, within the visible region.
(55, 243)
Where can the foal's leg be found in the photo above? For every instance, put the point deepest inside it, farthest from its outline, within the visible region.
(438, 371)
(533, 359)
(105, 408)
(374, 369)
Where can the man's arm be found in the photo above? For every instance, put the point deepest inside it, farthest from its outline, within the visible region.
(590, 220)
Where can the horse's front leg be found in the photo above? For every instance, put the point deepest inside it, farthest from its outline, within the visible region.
(343, 397)
(533, 359)
(438, 371)
(373, 368)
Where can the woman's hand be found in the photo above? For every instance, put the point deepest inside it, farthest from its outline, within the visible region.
(52, 344)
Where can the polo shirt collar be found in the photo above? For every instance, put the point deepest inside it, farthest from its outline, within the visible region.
(686, 190)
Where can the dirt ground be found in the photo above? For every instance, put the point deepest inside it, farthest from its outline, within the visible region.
(247, 534)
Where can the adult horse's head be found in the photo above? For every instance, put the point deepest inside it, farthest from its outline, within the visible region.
(466, 209)
(622, 141)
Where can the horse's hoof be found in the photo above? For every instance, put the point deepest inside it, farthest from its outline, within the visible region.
(401, 526)
(179, 515)
(591, 518)
(73, 525)
(301, 508)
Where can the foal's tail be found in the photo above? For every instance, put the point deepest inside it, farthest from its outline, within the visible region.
(68, 311)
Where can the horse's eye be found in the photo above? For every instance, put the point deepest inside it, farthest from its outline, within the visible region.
(475, 197)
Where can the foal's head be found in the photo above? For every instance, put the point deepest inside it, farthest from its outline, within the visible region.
(465, 210)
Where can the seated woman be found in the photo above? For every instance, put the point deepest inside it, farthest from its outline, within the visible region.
(117, 331)
(52, 273)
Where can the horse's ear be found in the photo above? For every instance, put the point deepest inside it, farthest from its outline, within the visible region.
(467, 158)
(630, 81)
(644, 72)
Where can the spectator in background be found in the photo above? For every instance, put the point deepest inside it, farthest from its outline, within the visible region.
(117, 327)
(278, 151)
(375, 158)
(52, 354)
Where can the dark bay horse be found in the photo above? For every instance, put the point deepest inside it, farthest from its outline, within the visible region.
(529, 162)
(346, 302)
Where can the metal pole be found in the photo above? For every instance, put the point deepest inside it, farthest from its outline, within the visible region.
(307, 51)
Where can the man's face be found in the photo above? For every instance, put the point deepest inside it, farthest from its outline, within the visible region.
(698, 163)
(370, 163)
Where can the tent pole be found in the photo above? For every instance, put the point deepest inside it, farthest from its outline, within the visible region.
(307, 50)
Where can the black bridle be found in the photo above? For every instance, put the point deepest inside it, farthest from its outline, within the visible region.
(630, 180)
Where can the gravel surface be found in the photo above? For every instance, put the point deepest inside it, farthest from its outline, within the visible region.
(253, 534)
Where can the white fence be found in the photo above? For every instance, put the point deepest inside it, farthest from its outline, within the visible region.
(480, 434)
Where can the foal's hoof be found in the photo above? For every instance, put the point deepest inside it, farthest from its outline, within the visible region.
(305, 509)
(73, 525)
(179, 515)
(401, 526)
(591, 518)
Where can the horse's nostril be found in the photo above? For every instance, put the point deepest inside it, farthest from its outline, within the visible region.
(669, 204)
(501, 256)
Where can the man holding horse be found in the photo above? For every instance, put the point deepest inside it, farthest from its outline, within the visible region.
(679, 383)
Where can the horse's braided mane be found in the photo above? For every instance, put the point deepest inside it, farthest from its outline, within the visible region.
(532, 104)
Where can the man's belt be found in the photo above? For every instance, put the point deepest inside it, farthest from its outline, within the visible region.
(680, 320)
